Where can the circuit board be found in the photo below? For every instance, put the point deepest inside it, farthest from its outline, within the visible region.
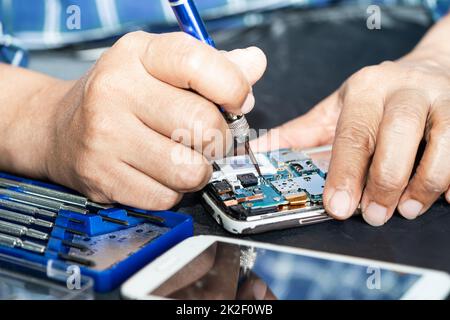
(291, 181)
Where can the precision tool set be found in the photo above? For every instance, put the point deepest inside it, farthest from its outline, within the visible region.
(41, 223)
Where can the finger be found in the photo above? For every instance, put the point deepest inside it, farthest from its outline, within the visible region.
(179, 114)
(184, 62)
(399, 136)
(131, 187)
(353, 147)
(172, 164)
(253, 62)
(315, 128)
(447, 196)
(432, 176)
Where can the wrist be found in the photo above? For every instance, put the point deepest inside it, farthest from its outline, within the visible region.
(29, 134)
(434, 56)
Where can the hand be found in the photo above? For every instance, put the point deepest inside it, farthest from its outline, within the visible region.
(111, 133)
(377, 120)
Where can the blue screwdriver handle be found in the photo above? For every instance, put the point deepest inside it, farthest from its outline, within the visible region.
(190, 21)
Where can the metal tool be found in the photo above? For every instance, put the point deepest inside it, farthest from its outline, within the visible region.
(24, 219)
(39, 202)
(114, 220)
(33, 211)
(56, 195)
(18, 230)
(150, 218)
(16, 242)
(27, 220)
(190, 22)
(54, 199)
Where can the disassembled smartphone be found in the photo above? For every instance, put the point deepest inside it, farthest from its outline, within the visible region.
(288, 194)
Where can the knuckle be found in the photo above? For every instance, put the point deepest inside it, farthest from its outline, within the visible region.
(208, 117)
(429, 181)
(385, 181)
(100, 83)
(192, 58)
(129, 39)
(98, 128)
(433, 184)
(366, 76)
(357, 136)
(194, 177)
(165, 200)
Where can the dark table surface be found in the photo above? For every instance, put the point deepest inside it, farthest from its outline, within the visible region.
(310, 53)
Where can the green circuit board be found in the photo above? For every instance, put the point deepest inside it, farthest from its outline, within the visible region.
(291, 180)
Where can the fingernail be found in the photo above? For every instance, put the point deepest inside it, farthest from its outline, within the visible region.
(248, 104)
(259, 290)
(410, 209)
(375, 214)
(340, 204)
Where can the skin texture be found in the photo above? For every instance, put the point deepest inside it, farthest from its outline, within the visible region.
(376, 121)
(108, 135)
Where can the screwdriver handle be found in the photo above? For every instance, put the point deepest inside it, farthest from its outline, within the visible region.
(45, 192)
(40, 202)
(26, 208)
(14, 242)
(24, 219)
(190, 21)
(17, 230)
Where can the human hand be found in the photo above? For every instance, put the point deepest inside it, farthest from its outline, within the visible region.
(111, 133)
(377, 119)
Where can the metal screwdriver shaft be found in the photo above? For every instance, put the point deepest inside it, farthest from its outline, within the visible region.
(56, 195)
(18, 230)
(39, 202)
(16, 242)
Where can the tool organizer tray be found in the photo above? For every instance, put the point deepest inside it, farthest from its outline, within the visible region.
(116, 251)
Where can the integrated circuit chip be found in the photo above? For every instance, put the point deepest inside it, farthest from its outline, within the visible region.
(222, 187)
(247, 179)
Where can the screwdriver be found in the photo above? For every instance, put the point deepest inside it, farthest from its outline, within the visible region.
(33, 211)
(16, 242)
(190, 22)
(71, 199)
(61, 196)
(18, 230)
(51, 205)
(39, 202)
(29, 220)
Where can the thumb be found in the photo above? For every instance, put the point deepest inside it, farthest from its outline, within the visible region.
(252, 61)
(315, 128)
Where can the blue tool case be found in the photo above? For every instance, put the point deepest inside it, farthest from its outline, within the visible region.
(116, 240)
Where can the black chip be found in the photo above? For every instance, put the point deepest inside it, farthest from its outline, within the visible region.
(222, 187)
(248, 179)
(239, 212)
